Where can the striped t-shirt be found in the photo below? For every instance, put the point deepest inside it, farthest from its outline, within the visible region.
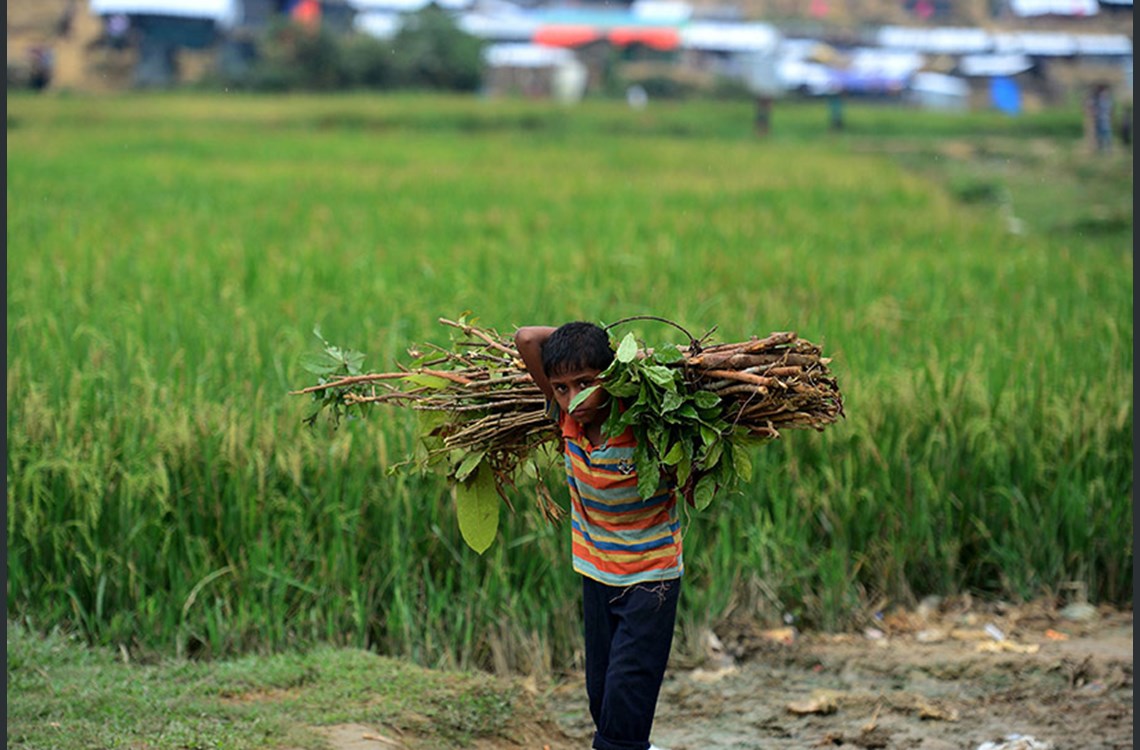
(617, 538)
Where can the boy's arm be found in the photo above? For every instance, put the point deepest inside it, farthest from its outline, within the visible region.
(529, 340)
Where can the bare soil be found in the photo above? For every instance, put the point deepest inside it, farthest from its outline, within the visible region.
(956, 678)
(932, 682)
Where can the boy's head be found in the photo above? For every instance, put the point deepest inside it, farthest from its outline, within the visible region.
(574, 347)
(572, 357)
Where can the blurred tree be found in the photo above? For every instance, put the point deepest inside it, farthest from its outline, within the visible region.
(368, 62)
(291, 56)
(430, 51)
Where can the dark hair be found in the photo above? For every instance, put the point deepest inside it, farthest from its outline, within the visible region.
(576, 346)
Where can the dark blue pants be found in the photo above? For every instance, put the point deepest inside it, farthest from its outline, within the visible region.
(629, 631)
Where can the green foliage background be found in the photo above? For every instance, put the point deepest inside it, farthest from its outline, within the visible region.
(429, 52)
(169, 256)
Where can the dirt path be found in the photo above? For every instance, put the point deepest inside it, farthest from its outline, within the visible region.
(911, 684)
(1030, 678)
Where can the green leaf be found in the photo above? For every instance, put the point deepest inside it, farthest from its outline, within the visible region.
(742, 462)
(667, 355)
(477, 508)
(627, 350)
(661, 376)
(672, 400)
(684, 467)
(353, 361)
(708, 435)
(320, 364)
(703, 492)
(706, 399)
(712, 455)
(648, 476)
(675, 454)
(428, 381)
(469, 463)
(688, 412)
(582, 396)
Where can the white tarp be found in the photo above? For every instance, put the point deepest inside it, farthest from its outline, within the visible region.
(225, 12)
(985, 66)
(512, 27)
(730, 37)
(661, 11)
(404, 6)
(1103, 44)
(1054, 7)
(382, 25)
(942, 41)
(527, 56)
(938, 91)
(813, 78)
(937, 83)
(1036, 43)
(885, 63)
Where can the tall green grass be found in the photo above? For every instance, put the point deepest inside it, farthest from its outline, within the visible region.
(168, 257)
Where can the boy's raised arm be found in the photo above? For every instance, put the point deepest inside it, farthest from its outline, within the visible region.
(529, 340)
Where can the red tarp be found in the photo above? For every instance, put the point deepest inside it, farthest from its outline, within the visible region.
(655, 37)
(566, 35)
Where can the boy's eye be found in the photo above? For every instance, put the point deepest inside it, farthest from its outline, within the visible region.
(560, 388)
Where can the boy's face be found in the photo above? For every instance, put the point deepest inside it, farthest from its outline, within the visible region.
(567, 385)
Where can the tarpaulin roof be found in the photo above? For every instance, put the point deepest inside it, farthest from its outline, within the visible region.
(982, 66)
(1103, 44)
(729, 37)
(566, 35)
(662, 38)
(1037, 43)
(665, 11)
(382, 25)
(1054, 7)
(405, 6)
(504, 27)
(526, 56)
(937, 83)
(938, 41)
(889, 63)
(221, 11)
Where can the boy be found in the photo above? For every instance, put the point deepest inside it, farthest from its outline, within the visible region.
(627, 550)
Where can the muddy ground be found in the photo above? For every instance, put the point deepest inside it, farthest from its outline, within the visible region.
(955, 677)
(926, 680)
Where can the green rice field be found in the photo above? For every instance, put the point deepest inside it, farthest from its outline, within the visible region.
(170, 255)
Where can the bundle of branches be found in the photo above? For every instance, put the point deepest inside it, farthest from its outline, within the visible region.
(780, 381)
(693, 408)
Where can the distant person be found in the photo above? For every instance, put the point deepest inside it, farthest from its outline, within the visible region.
(41, 68)
(118, 25)
(1102, 118)
(626, 549)
(1098, 117)
(1126, 124)
(763, 115)
(835, 111)
(636, 96)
